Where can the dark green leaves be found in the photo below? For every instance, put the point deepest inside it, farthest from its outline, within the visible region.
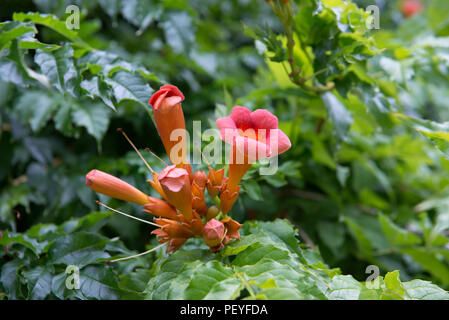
(58, 66)
(44, 273)
(78, 249)
(50, 21)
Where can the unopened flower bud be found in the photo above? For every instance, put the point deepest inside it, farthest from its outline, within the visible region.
(214, 181)
(114, 187)
(213, 233)
(212, 212)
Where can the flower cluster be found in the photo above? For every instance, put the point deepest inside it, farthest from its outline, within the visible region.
(184, 213)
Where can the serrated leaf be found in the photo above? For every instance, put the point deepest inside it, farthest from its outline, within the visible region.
(129, 86)
(344, 288)
(10, 238)
(99, 282)
(213, 281)
(96, 87)
(59, 68)
(94, 117)
(393, 287)
(424, 290)
(173, 274)
(38, 282)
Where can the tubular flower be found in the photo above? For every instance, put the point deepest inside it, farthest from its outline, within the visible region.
(227, 198)
(160, 208)
(214, 232)
(173, 232)
(114, 187)
(198, 186)
(215, 181)
(176, 185)
(185, 214)
(196, 224)
(168, 115)
(253, 135)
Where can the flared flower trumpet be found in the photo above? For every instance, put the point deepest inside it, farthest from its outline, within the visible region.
(252, 135)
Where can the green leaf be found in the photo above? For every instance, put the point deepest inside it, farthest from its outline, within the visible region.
(96, 87)
(79, 249)
(173, 273)
(393, 287)
(99, 282)
(90, 222)
(344, 288)
(37, 117)
(13, 30)
(179, 31)
(252, 188)
(129, 86)
(94, 117)
(430, 261)
(341, 118)
(49, 21)
(424, 290)
(395, 235)
(437, 133)
(141, 13)
(10, 279)
(10, 238)
(59, 68)
(134, 283)
(363, 242)
(39, 282)
(213, 281)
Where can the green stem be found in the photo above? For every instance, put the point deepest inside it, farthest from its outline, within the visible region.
(285, 16)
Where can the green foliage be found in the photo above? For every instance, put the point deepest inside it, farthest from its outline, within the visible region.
(365, 182)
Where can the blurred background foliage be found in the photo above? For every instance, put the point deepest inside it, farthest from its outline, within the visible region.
(363, 183)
